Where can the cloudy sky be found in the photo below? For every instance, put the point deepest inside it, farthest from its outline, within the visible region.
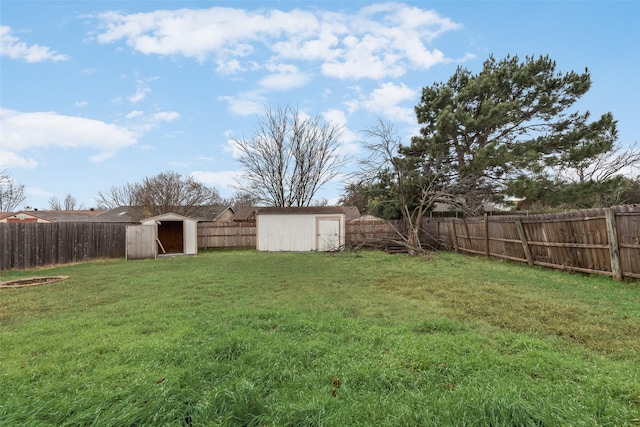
(95, 94)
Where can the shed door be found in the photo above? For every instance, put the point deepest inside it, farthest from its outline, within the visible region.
(171, 236)
(327, 234)
(141, 241)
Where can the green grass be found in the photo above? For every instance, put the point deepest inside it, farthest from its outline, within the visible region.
(240, 338)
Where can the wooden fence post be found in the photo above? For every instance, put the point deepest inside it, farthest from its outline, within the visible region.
(452, 227)
(614, 249)
(468, 235)
(525, 244)
(486, 235)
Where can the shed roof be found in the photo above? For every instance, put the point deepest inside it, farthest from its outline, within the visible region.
(307, 210)
(169, 216)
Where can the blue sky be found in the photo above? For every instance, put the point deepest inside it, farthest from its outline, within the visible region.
(95, 94)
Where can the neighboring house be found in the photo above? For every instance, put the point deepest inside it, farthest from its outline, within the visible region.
(367, 218)
(244, 213)
(351, 212)
(135, 214)
(215, 213)
(123, 214)
(89, 215)
(320, 228)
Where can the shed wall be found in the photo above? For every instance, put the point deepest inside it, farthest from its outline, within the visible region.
(141, 242)
(189, 244)
(291, 232)
(190, 237)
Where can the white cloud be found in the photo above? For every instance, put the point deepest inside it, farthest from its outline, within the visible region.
(378, 41)
(81, 104)
(134, 114)
(231, 146)
(142, 122)
(231, 66)
(384, 101)
(29, 131)
(140, 94)
(10, 159)
(286, 77)
(166, 116)
(222, 181)
(12, 47)
(348, 140)
(245, 104)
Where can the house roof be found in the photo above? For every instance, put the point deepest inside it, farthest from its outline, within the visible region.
(88, 215)
(136, 213)
(244, 213)
(208, 213)
(308, 210)
(4, 215)
(367, 218)
(129, 214)
(351, 212)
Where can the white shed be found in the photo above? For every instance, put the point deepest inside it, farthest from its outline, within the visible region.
(168, 233)
(300, 229)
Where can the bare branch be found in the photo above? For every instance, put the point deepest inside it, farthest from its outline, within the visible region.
(11, 193)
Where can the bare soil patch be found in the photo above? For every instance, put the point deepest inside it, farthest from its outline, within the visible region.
(32, 281)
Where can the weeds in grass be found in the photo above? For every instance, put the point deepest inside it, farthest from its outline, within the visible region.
(244, 338)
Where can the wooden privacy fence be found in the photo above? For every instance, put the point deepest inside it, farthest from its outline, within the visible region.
(226, 235)
(600, 241)
(32, 244)
(362, 230)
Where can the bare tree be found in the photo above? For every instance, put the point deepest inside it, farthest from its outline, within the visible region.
(289, 158)
(169, 191)
(240, 198)
(601, 167)
(68, 204)
(11, 193)
(165, 192)
(124, 195)
(415, 193)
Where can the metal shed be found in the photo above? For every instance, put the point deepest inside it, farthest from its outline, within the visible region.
(300, 229)
(168, 233)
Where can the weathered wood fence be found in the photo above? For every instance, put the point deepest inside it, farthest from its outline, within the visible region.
(596, 241)
(599, 241)
(30, 245)
(226, 235)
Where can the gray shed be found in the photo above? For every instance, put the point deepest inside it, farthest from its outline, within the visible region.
(168, 233)
(300, 229)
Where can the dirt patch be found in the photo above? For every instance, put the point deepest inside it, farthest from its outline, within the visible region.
(32, 281)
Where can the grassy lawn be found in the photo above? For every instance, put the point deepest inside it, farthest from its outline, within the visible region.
(293, 339)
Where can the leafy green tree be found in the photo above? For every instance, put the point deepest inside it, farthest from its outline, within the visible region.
(587, 180)
(481, 132)
(355, 194)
